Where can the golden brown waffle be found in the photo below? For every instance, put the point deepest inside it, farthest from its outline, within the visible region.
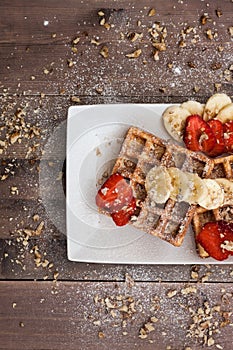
(221, 168)
(140, 152)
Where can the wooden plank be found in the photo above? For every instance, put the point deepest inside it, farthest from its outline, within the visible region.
(79, 315)
(201, 62)
(18, 214)
(18, 262)
(25, 181)
(65, 19)
(116, 75)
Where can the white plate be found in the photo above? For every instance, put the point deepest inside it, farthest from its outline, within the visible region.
(94, 137)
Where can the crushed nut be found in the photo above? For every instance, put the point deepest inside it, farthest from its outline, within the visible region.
(76, 41)
(134, 36)
(230, 29)
(75, 99)
(101, 335)
(101, 13)
(152, 12)
(188, 290)
(218, 13)
(171, 293)
(160, 46)
(209, 34)
(102, 21)
(134, 54)
(104, 51)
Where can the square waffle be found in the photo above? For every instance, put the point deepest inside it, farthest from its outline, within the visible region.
(220, 168)
(140, 152)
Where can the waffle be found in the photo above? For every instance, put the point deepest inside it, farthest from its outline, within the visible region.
(140, 152)
(221, 168)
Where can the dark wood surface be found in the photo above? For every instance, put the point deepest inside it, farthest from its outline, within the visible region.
(46, 301)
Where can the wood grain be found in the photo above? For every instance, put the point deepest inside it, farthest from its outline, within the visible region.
(102, 315)
(62, 310)
(26, 42)
(18, 262)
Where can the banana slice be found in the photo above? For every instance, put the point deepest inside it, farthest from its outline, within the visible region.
(215, 197)
(158, 184)
(214, 104)
(227, 187)
(174, 118)
(180, 184)
(193, 107)
(226, 113)
(197, 189)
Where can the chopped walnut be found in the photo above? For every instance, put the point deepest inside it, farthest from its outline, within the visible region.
(191, 64)
(14, 137)
(188, 290)
(182, 43)
(204, 18)
(217, 86)
(95, 42)
(156, 55)
(104, 51)
(230, 29)
(216, 66)
(134, 54)
(171, 293)
(152, 12)
(102, 21)
(70, 63)
(147, 327)
(76, 41)
(101, 335)
(75, 99)
(160, 46)
(101, 13)
(218, 13)
(209, 34)
(134, 36)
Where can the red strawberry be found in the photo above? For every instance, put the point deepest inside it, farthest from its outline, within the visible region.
(114, 194)
(217, 128)
(123, 216)
(198, 135)
(213, 236)
(228, 136)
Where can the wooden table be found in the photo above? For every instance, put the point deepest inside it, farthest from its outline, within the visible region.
(59, 53)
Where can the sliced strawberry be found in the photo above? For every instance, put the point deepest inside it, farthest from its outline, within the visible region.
(198, 135)
(227, 229)
(212, 238)
(217, 128)
(228, 136)
(123, 216)
(114, 194)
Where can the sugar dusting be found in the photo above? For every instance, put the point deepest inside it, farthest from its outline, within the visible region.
(184, 69)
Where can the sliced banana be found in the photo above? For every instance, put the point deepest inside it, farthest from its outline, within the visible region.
(226, 113)
(158, 184)
(197, 188)
(215, 197)
(214, 104)
(193, 107)
(174, 118)
(227, 187)
(180, 184)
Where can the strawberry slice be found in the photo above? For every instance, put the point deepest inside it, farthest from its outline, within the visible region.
(228, 136)
(214, 238)
(217, 128)
(198, 135)
(114, 194)
(123, 216)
